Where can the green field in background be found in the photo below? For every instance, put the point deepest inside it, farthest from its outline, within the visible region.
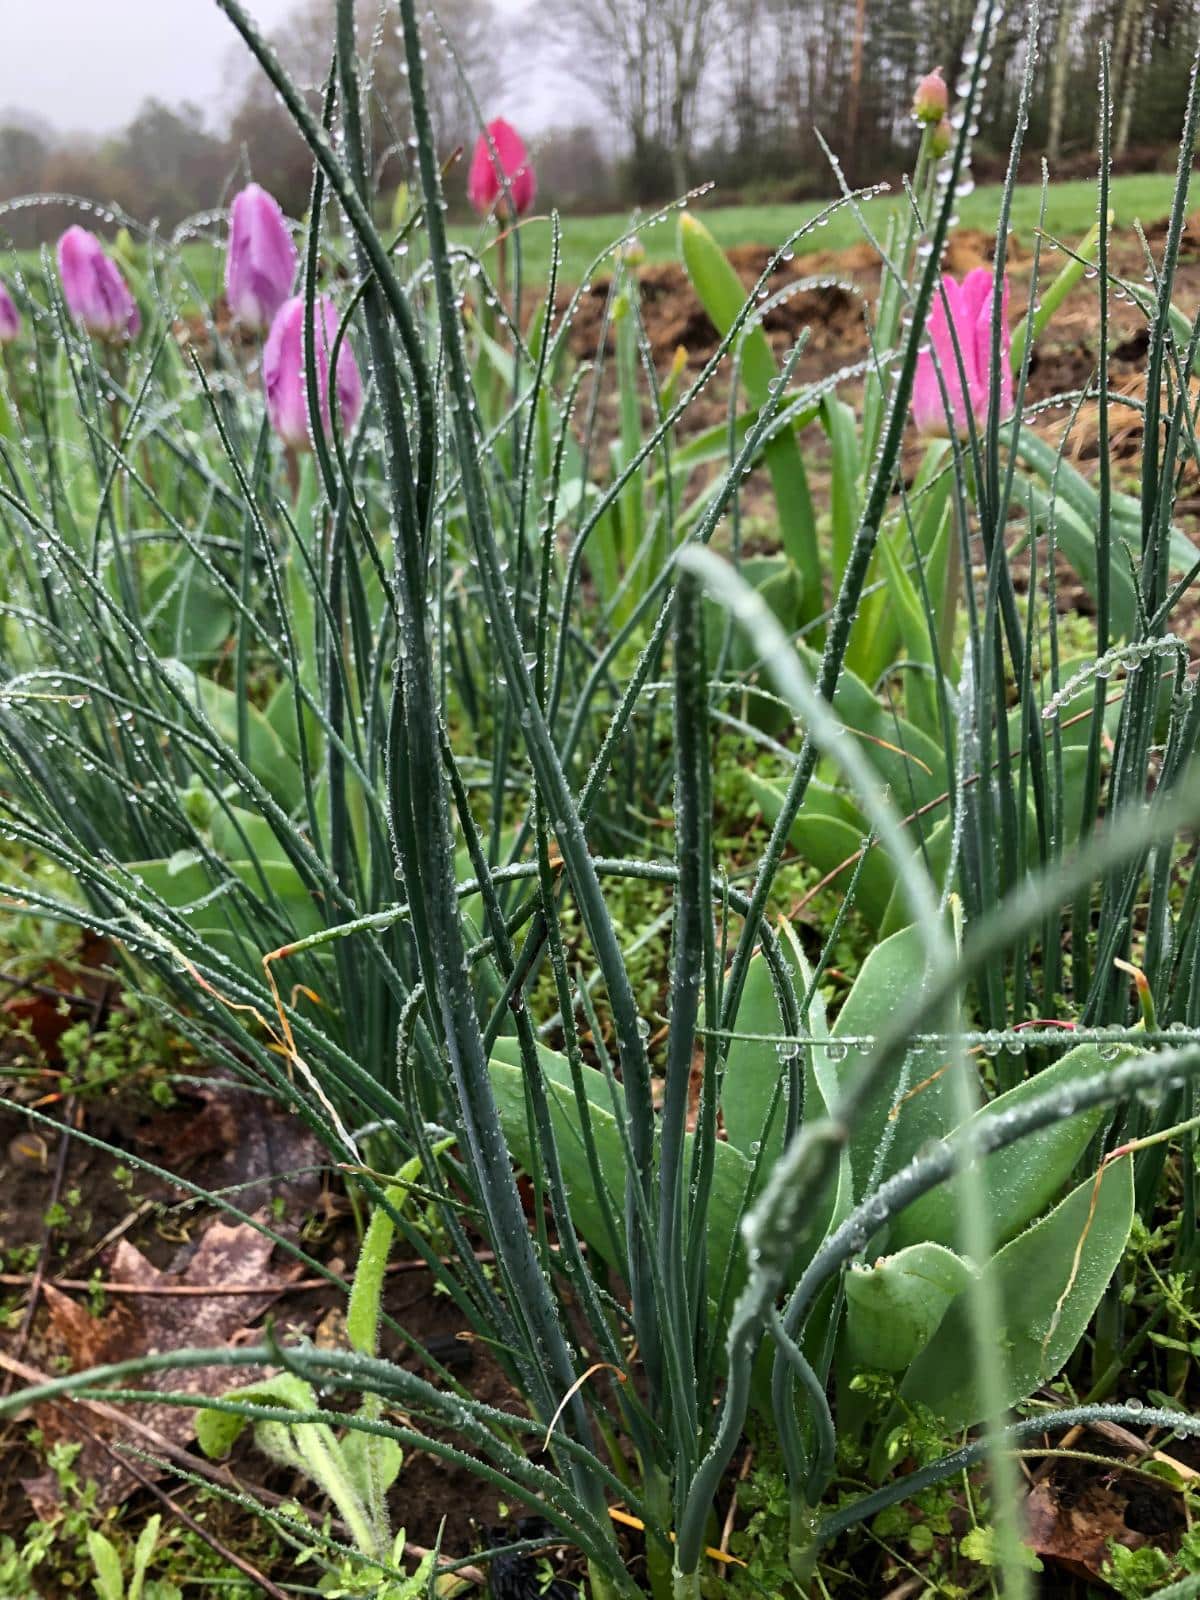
(1070, 211)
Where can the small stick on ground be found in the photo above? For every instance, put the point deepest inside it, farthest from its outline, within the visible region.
(730, 1515)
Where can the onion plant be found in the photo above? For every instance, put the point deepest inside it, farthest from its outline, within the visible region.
(352, 747)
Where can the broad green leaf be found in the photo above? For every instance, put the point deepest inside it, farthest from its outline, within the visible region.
(908, 761)
(267, 756)
(779, 583)
(1050, 298)
(185, 614)
(1185, 1589)
(1020, 1180)
(894, 1306)
(753, 1100)
(362, 1313)
(1047, 1283)
(110, 1580)
(826, 841)
(1077, 541)
(373, 1463)
(935, 855)
(309, 1447)
(755, 1070)
(916, 1100)
(217, 1431)
(143, 1552)
(1070, 484)
(185, 880)
(239, 834)
(841, 425)
(366, 1292)
(731, 1170)
(908, 609)
(723, 296)
(629, 411)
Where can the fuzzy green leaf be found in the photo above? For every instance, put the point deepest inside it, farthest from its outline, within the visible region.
(1070, 1255)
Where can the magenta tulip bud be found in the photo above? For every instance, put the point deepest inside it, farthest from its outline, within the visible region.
(501, 150)
(261, 265)
(10, 317)
(284, 375)
(932, 99)
(967, 308)
(97, 295)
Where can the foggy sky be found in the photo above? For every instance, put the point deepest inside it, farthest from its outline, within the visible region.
(87, 65)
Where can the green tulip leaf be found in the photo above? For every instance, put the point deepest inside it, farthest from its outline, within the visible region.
(731, 1169)
(894, 1307)
(917, 1100)
(1046, 1284)
(1020, 1180)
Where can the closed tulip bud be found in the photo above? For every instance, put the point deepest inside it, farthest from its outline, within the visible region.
(941, 138)
(932, 99)
(284, 373)
(10, 317)
(261, 264)
(97, 295)
(500, 172)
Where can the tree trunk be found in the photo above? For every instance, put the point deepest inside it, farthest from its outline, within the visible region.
(1121, 49)
(1135, 10)
(856, 66)
(1058, 80)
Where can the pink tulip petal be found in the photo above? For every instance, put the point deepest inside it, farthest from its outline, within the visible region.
(960, 327)
(97, 295)
(284, 373)
(261, 264)
(10, 317)
(501, 150)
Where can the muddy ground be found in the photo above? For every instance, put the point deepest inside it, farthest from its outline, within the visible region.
(840, 283)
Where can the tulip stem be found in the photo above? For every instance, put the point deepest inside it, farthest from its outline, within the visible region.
(502, 267)
(292, 464)
(10, 385)
(948, 620)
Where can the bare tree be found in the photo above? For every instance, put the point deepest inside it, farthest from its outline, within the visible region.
(464, 64)
(646, 60)
(611, 45)
(1058, 78)
(1128, 55)
(690, 30)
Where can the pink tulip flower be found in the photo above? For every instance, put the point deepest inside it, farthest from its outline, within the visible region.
(261, 264)
(284, 375)
(97, 295)
(10, 317)
(969, 305)
(501, 150)
(932, 98)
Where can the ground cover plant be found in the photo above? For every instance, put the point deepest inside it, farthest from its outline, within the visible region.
(656, 829)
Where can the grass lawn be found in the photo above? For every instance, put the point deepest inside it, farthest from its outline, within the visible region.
(1070, 211)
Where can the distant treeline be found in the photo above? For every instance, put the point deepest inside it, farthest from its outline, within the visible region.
(675, 91)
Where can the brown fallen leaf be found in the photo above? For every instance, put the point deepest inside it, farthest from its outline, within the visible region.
(1073, 1525)
(240, 1140)
(226, 1254)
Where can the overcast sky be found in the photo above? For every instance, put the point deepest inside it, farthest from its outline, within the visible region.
(88, 64)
